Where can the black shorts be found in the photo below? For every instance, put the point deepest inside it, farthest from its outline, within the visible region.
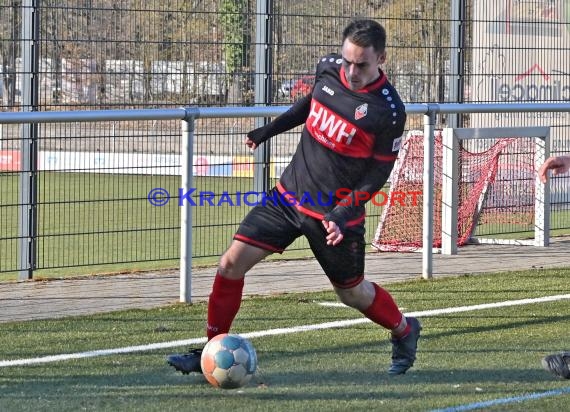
(274, 226)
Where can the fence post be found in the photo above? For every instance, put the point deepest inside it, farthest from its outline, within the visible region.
(263, 89)
(429, 145)
(27, 216)
(458, 21)
(186, 172)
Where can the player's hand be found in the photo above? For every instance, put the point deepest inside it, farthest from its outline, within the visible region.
(558, 165)
(334, 235)
(250, 143)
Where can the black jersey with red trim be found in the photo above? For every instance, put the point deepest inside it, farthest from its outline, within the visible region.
(348, 136)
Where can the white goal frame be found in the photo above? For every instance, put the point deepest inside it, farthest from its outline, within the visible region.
(450, 176)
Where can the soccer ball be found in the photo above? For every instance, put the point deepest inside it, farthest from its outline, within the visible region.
(228, 361)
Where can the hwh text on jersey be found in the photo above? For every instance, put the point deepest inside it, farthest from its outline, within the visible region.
(328, 127)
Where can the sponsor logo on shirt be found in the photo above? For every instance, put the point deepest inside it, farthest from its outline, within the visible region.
(328, 90)
(328, 127)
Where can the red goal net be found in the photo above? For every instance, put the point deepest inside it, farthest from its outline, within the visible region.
(496, 187)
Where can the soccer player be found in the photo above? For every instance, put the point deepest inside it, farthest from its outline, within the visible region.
(353, 122)
(558, 363)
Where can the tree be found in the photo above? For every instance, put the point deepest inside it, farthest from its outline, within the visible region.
(417, 39)
(10, 24)
(236, 40)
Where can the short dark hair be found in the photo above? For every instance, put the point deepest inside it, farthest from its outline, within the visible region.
(366, 33)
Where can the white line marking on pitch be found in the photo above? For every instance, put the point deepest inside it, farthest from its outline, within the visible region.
(332, 304)
(504, 401)
(271, 332)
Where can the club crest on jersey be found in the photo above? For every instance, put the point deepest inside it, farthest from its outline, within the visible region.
(361, 111)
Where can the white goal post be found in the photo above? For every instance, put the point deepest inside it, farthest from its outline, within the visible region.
(451, 175)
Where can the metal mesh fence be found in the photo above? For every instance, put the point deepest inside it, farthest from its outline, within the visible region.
(93, 178)
(104, 54)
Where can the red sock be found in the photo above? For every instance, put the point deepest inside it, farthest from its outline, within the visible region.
(223, 305)
(384, 311)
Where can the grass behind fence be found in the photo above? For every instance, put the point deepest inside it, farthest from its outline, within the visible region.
(91, 223)
(97, 223)
(464, 357)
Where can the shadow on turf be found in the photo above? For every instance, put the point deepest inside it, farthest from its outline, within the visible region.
(143, 376)
(507, 325)
(359, 381)
(319, 385)
(381, 351)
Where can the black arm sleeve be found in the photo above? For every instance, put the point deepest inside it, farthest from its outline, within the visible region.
(373, 181)
(295, 116)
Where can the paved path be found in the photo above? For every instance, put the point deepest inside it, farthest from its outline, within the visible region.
(59, 298)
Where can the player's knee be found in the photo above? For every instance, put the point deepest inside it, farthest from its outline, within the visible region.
(346, 297)
(228, 268)
(359, 297)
